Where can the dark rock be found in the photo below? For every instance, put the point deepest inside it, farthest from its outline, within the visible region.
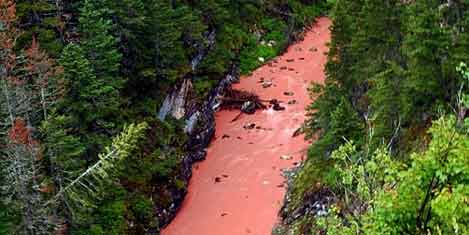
(292, 102)
(278, 107)
(288, 93)
(283, 68)
(249, 126)
(290, 60)
(266, 84)
(217, 179)
(248, 107)
(298, 132)
(200, 128)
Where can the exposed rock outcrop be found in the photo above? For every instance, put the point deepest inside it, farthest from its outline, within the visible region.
(199, 126)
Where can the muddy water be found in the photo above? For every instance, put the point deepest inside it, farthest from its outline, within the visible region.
(239, 188)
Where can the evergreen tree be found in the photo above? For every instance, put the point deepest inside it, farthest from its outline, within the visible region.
(99, 45)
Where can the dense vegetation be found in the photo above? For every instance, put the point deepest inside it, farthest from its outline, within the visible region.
(392, 124)
(81, 149)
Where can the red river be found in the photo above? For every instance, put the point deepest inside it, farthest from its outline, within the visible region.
(239, 188)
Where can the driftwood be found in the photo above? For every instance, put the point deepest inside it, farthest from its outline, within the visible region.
(235, 99)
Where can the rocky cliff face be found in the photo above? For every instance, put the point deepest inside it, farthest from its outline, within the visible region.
(199, 126)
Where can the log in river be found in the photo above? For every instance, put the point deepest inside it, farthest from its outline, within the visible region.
(239, 188)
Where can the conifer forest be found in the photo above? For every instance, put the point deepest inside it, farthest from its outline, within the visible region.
(234, 117)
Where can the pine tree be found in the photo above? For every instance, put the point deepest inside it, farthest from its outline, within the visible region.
(40, 19)
(425, 49)
(99, 45)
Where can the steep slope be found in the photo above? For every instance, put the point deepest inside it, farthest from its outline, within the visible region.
(238, 189)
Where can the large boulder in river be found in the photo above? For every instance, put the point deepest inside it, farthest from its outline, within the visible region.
(248, 107)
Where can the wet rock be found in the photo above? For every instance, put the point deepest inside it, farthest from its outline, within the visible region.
(298, 132)
(301, 58)
(248, 107)
(266, 84)
(225, 136)
(283, 68)
(286, 157)
(273, 101)
(217, 179)
(200, 128)
(198, 155)
(291, 69)
(249, 126)
(290, 60)
(203, 48)
(292, 102)
(175, 103)
(278, 107)
(288, 93)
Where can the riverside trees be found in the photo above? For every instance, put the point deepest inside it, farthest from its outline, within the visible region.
(399, 67)
(74, 73)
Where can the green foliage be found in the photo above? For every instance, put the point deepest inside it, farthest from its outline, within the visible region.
(427, 197)
(99, 45)
(118, 61)
(390, 72)
(83, 191)
(271, 43)
(39, 18)
(431, 194)
(362, 175)
(7, 220)
(142, 208)
(341, 120)
(109, 217)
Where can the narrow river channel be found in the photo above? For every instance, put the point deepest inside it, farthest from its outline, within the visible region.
(239, 188)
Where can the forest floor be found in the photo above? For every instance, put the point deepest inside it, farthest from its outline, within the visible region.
(240, 187)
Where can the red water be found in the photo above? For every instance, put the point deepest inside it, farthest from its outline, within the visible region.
(239, 188)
